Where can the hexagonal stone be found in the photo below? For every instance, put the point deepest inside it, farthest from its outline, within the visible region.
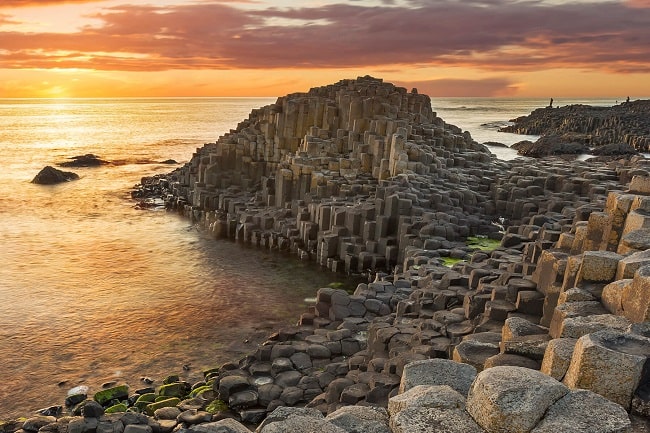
(512, 399)
(612, 296)
(598, 266)
(439, 420)
(576, 327)
(360, 419)
(583, 411)
(636, 297)
(474, 353)
(232, 384)
(438, 372)
(609, 363)
(427, 396)
(558, 357)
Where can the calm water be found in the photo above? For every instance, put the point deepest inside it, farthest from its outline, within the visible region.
(93, 290)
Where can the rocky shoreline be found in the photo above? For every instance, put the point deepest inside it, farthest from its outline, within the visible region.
(617, 131)
(548, 331)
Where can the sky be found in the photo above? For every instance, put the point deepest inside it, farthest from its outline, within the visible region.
(206, 48)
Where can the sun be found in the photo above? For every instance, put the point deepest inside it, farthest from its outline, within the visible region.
(54, 91)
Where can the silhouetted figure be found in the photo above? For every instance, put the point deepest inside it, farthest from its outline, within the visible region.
(628, 99)
(550, 104)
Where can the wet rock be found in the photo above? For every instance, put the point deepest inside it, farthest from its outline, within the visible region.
(87, 160)
(51, 176)
(35, 423)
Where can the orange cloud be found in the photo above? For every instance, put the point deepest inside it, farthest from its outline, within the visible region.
(450, 87)
(507, 36)
(31, 3)
(638, 3)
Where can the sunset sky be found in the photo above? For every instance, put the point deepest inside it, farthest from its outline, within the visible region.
(111, 48)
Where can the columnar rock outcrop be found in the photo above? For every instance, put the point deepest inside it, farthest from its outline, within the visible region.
(349, 174)
(565, 293)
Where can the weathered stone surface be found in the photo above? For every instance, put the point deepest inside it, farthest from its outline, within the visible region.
(283, 413)
(432, 396)
(584, 411)
(512, 399)
(511, 359)
(474, 353)
(439, 420)
(598, 266)
(557, 357)
(35, 423)
(593, 358)
(628, 265)
(438, 372)
(636, 297)
(612, 296)
(575, 295)
(227, 425)
(634, 241)
(573, 309)
(576, 327)
(360, 419)
(515, 327)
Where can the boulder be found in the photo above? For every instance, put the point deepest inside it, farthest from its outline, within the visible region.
(438, 372)
(427, 396)
(439, 420)
(51, 176)
(594, 357)
(296, 420)
(512, 399)
(227, 425)
(584, 411)
(360, 419)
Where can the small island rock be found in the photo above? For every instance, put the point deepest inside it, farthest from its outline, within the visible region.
(87, 160)
(51, 176)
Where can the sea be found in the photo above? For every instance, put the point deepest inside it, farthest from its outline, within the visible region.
(95, 291)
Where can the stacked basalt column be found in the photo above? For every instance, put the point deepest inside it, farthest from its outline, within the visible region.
(368, 163)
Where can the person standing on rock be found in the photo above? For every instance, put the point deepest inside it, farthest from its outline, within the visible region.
(550, 104)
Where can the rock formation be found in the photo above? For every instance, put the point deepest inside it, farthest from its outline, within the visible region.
(87, 160)
(619, 130)
(547, 332)
(50, 176)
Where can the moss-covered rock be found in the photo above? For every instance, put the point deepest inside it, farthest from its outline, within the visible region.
(216, 406)
(178, 389)
(200, 390)
(104, 397)
(145, 399)
(173, 378)
(121, 407)
(168, 402)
